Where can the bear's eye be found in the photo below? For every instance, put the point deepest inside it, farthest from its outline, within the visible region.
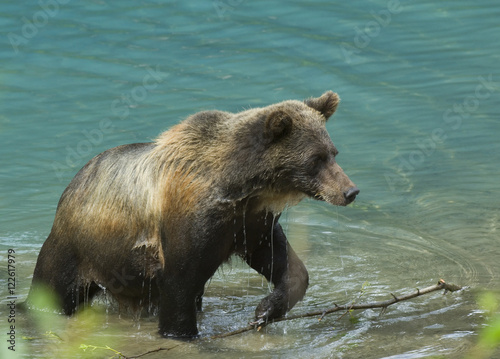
(317, 162)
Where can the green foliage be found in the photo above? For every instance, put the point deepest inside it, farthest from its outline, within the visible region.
(117, 354)
(352, 318)
(489, 336)
(43, 299)
(64, 337)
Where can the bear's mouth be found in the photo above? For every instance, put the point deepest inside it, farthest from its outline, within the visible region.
(335, 201)
(318, 197)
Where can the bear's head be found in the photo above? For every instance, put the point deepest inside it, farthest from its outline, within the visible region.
(297, 155)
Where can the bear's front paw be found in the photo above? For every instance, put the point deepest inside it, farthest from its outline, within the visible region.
(263, 312)
(269, 308)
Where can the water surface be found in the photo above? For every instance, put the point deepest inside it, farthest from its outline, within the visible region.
(417, 131)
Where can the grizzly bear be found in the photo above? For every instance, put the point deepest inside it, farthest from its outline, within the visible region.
(150, 223)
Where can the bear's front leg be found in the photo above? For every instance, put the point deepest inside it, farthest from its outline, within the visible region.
(177, 307)
(181, 284)
(277, 261)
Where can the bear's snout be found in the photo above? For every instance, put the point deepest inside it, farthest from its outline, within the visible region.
(350, 194)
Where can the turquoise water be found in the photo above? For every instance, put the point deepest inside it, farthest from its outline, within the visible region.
(417, 131)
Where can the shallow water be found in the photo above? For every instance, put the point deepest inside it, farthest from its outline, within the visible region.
(417, 131)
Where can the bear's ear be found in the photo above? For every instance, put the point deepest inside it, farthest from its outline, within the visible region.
(326, 104)
(277, 125)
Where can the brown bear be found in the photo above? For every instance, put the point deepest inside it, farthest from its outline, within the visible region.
(150, 223)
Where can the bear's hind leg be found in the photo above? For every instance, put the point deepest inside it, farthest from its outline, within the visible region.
(55, 276)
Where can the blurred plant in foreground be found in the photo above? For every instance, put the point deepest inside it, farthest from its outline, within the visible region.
(489, 335)
(78, 336)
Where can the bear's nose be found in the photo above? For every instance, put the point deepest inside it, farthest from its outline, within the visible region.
(350, 194)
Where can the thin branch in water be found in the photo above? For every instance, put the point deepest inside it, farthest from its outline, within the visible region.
(151, 352)
(448, 287)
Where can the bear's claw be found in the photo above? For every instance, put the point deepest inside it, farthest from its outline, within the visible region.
(259, 323)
